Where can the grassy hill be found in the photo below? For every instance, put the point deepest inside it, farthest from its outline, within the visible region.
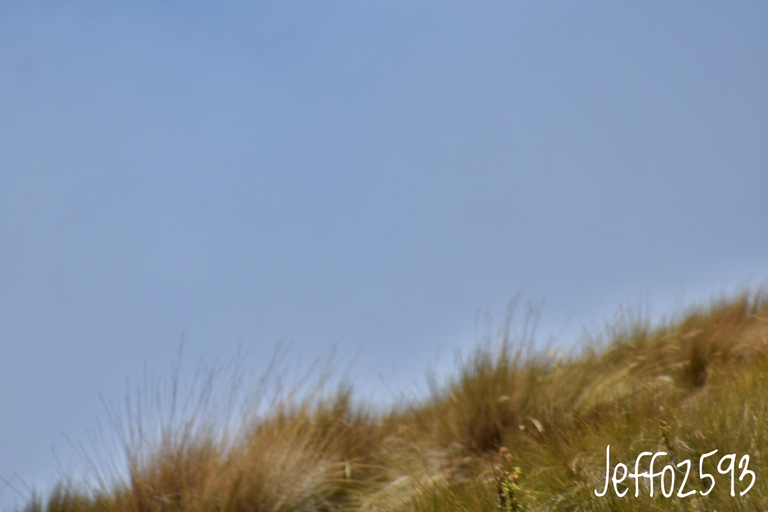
(514, 429)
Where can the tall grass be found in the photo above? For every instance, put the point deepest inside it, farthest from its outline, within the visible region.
(513, 429)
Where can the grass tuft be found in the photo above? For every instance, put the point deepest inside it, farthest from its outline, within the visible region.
(514, 429)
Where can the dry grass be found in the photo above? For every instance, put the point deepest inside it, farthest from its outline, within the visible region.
(513, 430)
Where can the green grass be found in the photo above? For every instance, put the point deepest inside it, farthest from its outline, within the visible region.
(514, 429)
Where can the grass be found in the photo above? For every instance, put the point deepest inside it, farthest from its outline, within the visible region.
(513, 430)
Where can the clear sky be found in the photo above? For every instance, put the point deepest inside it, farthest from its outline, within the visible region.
(367, 175)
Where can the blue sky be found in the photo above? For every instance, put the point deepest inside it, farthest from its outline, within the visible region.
(365, 175)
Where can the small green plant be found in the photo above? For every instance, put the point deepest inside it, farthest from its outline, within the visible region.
(507, 485)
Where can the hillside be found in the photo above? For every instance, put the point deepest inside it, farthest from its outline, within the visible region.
(514, 429)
